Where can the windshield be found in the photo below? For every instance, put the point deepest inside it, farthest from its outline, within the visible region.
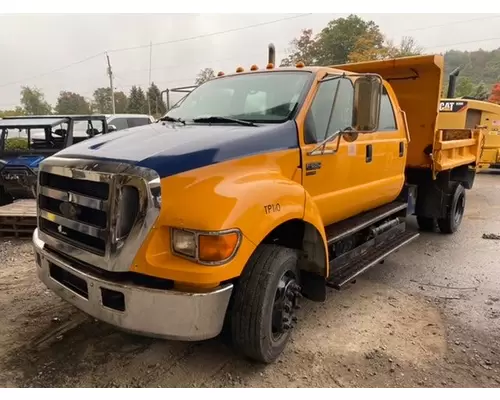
(258, 97)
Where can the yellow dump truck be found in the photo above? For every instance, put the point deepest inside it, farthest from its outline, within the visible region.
(470, 114)
(260, 187)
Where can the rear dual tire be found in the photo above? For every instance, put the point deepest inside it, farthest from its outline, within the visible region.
(454, 214)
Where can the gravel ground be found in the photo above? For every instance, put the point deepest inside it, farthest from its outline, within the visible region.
(429, 316)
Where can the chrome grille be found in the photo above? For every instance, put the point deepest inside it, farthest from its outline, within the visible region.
(78, 203)
(75, 210)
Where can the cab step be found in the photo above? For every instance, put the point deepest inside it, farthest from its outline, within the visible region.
(346, 228)
(367, 259)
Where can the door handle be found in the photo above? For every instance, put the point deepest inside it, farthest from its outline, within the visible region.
(401, 149)
(369, 153)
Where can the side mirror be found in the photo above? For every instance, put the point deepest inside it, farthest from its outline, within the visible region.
(367, 96)
(111, 128)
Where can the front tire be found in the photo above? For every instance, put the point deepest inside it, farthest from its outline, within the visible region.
(455, 212)
(265, 299)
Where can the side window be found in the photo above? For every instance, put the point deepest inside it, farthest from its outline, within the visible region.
(387, 118)
(120, 123)
(132, 122)
(319, 122)
(473, 118)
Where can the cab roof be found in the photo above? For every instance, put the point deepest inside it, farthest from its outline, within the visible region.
(10, 123)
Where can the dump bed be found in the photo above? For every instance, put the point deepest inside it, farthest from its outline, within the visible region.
(417, 83)
(470, 114)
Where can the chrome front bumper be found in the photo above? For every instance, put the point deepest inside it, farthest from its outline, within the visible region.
(167, 314)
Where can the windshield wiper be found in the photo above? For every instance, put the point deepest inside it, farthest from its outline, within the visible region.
(215, 118)
(171, 119)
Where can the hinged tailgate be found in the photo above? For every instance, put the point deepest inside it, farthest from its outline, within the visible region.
(455, 147)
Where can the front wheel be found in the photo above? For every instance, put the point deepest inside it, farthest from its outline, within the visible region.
(265, 301)
(455, 212)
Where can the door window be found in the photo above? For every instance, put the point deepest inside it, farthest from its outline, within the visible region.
(387, 120)
(331, 109)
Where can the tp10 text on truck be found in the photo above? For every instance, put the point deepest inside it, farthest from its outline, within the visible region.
(258, 188)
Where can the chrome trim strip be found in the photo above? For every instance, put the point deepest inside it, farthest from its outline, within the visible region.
(119, 253)
(72, 197)
(76, 226)
(73, 251)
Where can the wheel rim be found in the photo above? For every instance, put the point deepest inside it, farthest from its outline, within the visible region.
(459, 209)
(284, 306)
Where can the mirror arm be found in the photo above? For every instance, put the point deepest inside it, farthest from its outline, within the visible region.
(322, 146)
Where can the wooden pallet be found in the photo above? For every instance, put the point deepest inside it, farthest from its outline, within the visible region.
(18, 218)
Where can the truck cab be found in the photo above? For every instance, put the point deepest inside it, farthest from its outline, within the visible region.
(259, 188)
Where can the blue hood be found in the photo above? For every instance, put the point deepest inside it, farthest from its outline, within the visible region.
(171, 149)
(25, 161)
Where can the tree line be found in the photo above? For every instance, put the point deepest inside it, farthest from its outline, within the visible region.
(353, 39)
(342, 40)
(33, 102)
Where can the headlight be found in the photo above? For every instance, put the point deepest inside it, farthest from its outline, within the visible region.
(209, 248)
(184, 242)
(128, 208)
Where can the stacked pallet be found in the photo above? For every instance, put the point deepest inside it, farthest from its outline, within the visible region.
(18, 218)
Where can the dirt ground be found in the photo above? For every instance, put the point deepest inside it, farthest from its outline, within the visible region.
(429, 316)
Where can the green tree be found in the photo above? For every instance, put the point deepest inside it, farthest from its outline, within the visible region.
(480, 92)
(137, 101)
(303, 49)
(71, 103)
(409, 47)
(120, 102)
(338, 39)
(33, 101)
(12, 113)
(204, 75)
(368, 47)
(158, 106)
(103, 101)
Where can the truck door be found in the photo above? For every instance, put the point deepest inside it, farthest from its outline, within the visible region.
(384, 165)
(328, 177)
(362, 174)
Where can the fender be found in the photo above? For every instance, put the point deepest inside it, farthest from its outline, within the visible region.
(253, 194)
(313, 217)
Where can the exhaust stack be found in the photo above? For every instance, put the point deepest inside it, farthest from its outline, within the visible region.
(452, 83)
(271, 54)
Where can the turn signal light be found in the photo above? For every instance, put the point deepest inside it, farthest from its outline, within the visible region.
(215, 248)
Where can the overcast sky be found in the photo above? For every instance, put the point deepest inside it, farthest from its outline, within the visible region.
(31, 45)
